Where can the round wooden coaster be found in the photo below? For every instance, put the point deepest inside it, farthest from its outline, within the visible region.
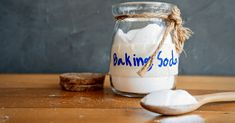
(82, 81)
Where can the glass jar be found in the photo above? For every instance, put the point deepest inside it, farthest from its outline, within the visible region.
(134, 41)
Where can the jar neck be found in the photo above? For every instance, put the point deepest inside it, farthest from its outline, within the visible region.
(130, 8)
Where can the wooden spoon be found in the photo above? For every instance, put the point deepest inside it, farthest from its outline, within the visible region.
(182, 109)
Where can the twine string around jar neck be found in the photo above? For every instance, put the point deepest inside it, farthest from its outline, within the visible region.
(174, 26)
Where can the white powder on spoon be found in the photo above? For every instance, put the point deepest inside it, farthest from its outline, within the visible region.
(169, 98)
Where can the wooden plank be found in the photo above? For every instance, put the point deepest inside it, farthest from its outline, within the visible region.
(33, 81)
(29, 80)
(52, 80)
(57, 98)
(47, 98)
(72, 115)
(39, 98)
(206, 82)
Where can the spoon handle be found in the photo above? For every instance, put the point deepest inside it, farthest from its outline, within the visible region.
(217, 97)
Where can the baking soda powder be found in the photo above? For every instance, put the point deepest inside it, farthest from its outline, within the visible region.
(169, 98)
(131, 50)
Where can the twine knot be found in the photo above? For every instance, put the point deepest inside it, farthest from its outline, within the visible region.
(175, 16)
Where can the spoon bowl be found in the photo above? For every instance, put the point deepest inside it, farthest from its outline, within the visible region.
(182, 109)
(171, 110)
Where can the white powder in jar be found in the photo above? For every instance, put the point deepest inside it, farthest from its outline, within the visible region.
(169, 98)
(141, 43)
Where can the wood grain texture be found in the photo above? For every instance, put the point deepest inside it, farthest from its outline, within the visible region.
(39, 98)
(79, 115)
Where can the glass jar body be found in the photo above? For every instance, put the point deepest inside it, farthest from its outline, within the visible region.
(134, 41)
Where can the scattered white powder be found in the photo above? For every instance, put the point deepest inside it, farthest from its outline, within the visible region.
(183, 119)
(169, 98)
(142, 42)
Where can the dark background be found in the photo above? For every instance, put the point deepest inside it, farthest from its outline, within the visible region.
(55, 36)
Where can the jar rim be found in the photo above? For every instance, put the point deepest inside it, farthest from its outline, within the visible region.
(127, 8)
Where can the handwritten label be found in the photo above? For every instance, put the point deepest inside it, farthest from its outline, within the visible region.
(133, 60)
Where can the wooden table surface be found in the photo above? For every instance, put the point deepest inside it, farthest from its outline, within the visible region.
(37, 98)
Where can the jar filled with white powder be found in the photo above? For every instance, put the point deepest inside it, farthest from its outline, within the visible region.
(135, 39)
